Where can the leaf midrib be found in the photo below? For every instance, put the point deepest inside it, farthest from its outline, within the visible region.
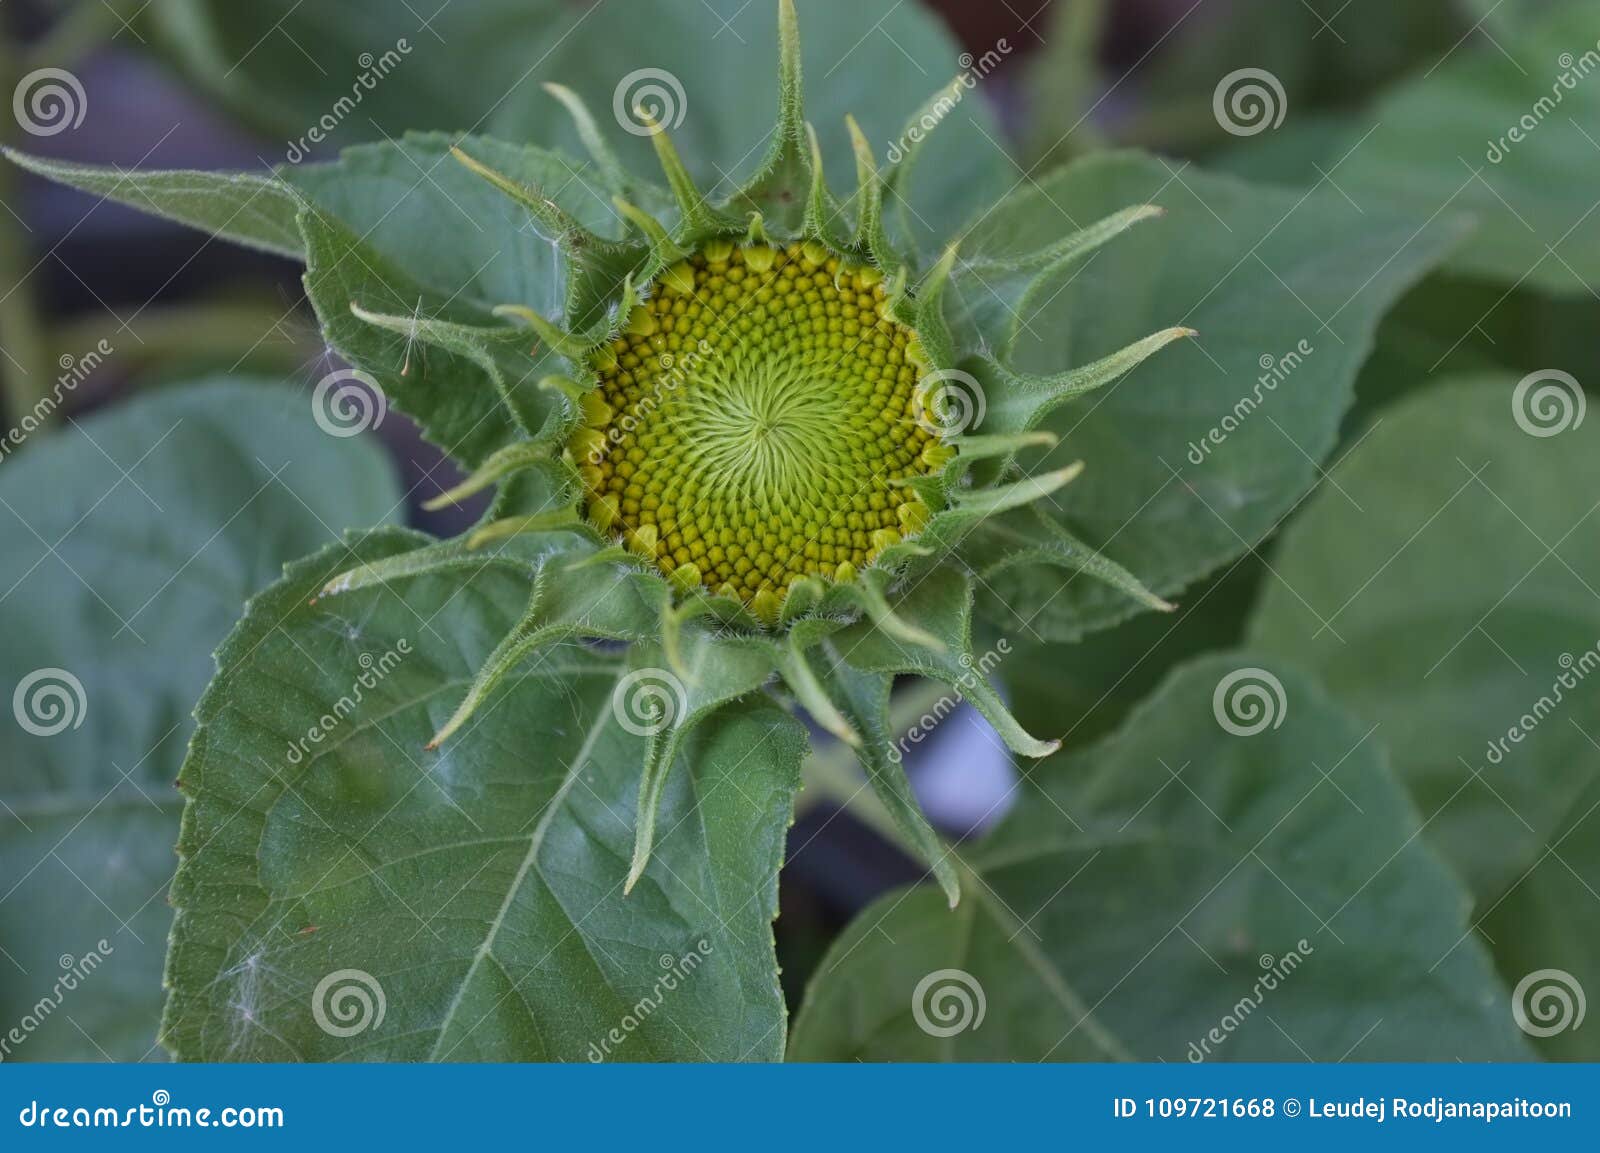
(529, 860)
(1050, 975)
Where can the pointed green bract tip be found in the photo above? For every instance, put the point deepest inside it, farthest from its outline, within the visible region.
(471, 165)
(569, 346)
(859, 143)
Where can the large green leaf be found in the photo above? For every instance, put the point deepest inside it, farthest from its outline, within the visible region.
(1143, 890)
(475, 893)
(1442, 143)
(126, 581)
(1256, 271)
(404, 231)
(1444, 585)
(480, 68)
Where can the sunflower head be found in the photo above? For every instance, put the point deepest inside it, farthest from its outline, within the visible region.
(774, 414)
(756, 421)
(770, 403)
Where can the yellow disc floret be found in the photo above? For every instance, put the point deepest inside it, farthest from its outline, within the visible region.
(754, 421)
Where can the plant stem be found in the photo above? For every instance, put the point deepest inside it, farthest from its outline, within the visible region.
(27, 373)
(25, 368)
(83, 28)
(240, 329)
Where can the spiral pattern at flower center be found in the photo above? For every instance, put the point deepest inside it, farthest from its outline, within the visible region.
(754, 422)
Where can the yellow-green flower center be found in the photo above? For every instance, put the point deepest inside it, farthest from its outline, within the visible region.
(754, 420)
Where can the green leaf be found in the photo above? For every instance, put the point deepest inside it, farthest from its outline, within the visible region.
(127, 582)
(250, 210)
(480, 888)
(1297, 154)
(718, 671)
(406, 232)
(481, 68)
(1256, 271)
(1442, 143)
(1443, 583)
(1144, 887)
